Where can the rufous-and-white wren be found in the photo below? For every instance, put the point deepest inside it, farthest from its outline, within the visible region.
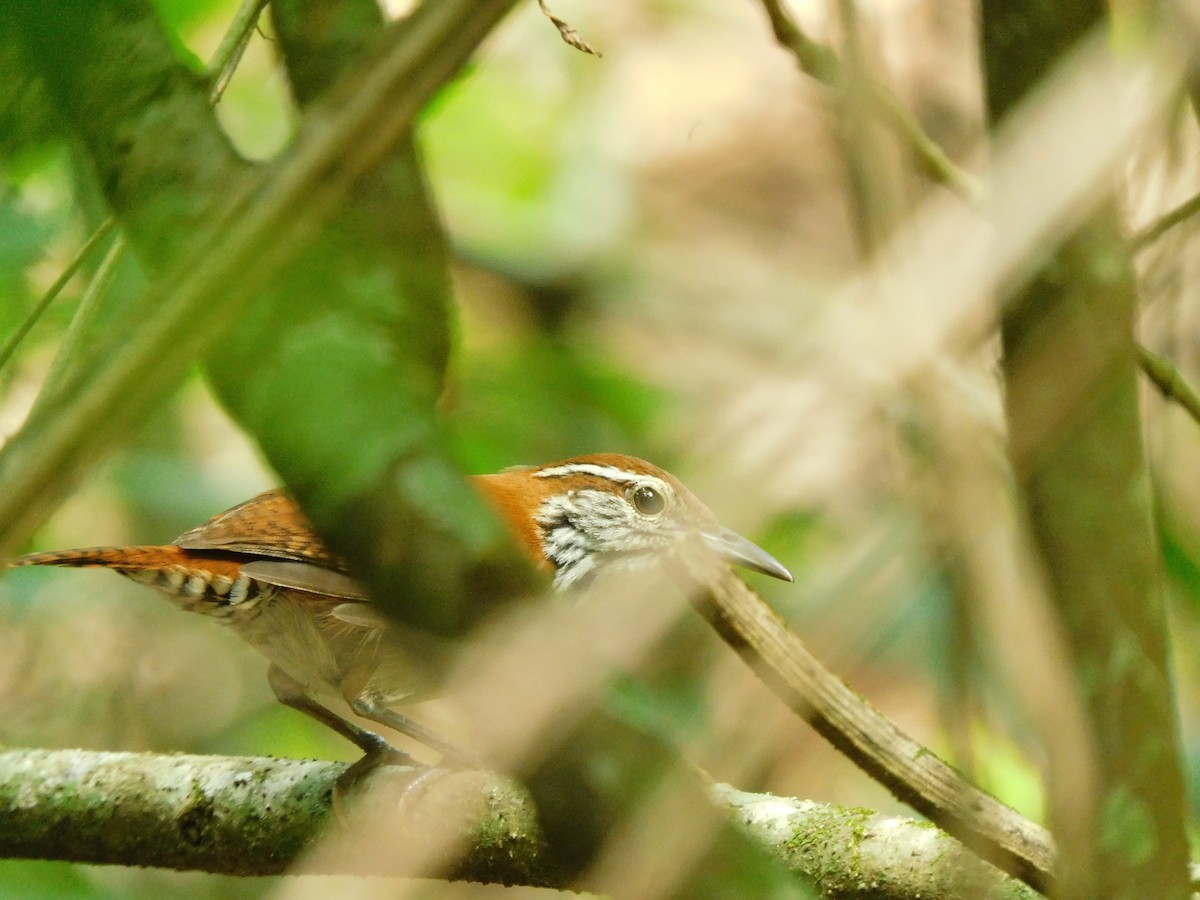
(260, 568)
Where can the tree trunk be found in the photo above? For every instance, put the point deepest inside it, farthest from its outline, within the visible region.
(1072, 409)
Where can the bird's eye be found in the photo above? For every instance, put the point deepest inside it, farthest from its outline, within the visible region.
(647, 500)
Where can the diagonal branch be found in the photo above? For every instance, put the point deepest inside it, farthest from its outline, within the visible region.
(1165, 223)
(1170, 383)
(64, 277)
(820, 62)
(914, 774)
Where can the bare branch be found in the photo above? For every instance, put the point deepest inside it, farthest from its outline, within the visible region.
(912, 772)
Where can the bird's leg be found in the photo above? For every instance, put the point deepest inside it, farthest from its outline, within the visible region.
(368, 707)
(376, 751)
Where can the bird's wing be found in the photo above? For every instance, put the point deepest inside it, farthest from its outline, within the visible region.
(305, 576)
(271, 524)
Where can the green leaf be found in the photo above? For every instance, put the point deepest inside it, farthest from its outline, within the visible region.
(336, 374)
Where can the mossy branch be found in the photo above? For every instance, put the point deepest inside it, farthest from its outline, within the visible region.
(856, 854)
(252, 816)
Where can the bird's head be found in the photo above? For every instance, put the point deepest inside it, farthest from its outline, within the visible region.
(584, 515)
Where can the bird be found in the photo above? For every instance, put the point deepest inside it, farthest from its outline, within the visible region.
(260, 568)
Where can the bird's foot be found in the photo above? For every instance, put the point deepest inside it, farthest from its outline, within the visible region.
(376, 754)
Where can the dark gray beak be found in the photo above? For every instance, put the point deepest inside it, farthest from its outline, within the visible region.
(734, 548)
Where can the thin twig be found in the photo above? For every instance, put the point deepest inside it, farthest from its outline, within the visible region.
(89, 310)
(569, 34)
(821, 63)
(1165, 223)
(1169, 382)
(225, 61)
(10, 348)
(815, 59)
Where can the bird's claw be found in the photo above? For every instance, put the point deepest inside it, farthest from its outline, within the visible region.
(376, 756)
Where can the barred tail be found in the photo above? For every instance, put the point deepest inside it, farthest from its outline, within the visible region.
(194, 581)
(119, 558)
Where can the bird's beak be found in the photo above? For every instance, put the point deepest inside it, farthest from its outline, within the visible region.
(734, 548)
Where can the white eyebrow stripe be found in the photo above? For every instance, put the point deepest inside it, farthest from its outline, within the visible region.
(612, 473)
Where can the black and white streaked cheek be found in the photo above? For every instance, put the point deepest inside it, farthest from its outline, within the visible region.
(584, 526)
(571, 552)
(572, 566)
(568, 546)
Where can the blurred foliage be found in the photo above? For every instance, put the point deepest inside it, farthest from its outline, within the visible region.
(1181, 561)
(178, 468)
(627, 230)
(532, 197)
(569, 404)
(35, 880)
(25, 236)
